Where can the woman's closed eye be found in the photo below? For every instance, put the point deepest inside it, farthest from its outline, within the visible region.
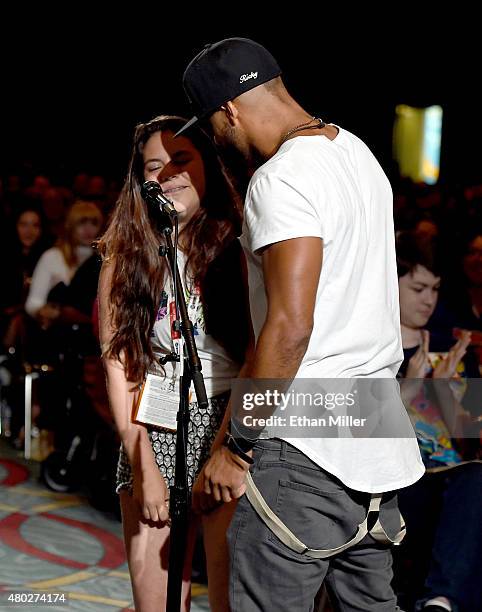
(154, 168)
(420, 289)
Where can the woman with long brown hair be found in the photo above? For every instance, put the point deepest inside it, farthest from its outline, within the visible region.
(135, 294)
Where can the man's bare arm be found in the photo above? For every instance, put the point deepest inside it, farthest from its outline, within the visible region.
(291, 273)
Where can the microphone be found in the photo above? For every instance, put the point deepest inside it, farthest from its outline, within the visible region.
(152, 193)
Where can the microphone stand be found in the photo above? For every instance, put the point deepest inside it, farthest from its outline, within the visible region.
(180, 499)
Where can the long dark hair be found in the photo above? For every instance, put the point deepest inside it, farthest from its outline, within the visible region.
(43, 241)
(131, 243)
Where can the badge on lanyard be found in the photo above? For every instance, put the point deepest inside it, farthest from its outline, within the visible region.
(158, 402)
(157, 405)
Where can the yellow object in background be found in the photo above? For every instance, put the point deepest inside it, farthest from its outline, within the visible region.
(417, 135)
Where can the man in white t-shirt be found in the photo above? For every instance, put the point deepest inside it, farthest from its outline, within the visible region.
(319, 242)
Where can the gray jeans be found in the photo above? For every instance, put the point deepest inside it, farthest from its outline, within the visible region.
(266, 575)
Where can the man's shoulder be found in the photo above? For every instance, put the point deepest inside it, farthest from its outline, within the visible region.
(287, 166)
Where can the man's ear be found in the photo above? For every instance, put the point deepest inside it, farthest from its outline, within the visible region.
(230, 111)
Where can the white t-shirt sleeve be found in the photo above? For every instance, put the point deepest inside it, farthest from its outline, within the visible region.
(49, 268)
(279, 210)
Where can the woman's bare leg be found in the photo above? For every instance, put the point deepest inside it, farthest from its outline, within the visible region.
(215, 524)
(147, 548)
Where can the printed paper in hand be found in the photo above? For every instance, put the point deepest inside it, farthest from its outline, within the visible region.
(157, 405)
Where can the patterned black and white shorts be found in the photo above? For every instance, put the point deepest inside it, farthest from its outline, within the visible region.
(202, 429)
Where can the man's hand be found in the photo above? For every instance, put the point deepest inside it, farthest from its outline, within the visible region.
(202, 503)
(223, 477)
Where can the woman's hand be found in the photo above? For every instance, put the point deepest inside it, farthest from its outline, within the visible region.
(48, 314)
(151, 493)
(419, 363)
(447, 367)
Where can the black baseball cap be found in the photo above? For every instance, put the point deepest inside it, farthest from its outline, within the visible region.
(224, 70)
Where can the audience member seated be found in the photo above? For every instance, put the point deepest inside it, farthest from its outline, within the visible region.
(461, 301)
(443, 510)
(52, 335)
(20, 254)
(59, 264)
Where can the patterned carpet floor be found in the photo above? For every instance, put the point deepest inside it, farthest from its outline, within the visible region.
(58, 543)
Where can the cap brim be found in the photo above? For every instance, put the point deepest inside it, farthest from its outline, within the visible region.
(189, 124)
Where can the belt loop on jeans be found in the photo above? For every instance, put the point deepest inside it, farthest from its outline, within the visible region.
(283, 451)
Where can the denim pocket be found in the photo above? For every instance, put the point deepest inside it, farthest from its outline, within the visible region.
(307, 473)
